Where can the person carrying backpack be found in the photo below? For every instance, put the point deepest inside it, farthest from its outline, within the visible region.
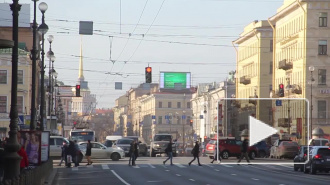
(244, 151)
(195, 152)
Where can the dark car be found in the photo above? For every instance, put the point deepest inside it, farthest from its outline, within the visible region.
(263, 149)
(229, 147)
(300, 158)
(319, 160)
(143, 149)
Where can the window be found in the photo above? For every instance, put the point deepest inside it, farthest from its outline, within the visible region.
(3, 77)
(160, 104)
(322, 47)
(20, 76)
(188, 105)
(169, 104)
(51, 141)
(20, 104)
(323, 19)
(271, 67)
(321, 109)
(271, 45)
(322, 77)
(3, 104)
(160, 119)
(178, 105)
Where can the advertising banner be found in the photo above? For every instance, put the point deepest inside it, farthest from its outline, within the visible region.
(44, 146)
(31, 141)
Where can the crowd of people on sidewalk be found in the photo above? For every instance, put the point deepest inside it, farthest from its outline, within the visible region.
(70, 154)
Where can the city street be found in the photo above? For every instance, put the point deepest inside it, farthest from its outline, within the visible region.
(152, 171)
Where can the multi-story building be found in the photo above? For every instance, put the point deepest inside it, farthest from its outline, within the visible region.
(254, 49)
(301, 63)
(120, 116)
(23, 88)
(206, 116)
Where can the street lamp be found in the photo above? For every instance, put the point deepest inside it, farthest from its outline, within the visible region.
(51, 57)
(11, 158)
(311, 69)
(34, 67)
(43, 28)
(288, 87)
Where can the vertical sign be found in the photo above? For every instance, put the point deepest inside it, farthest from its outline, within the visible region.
(220, 115)
(44, 146)
(299, 127)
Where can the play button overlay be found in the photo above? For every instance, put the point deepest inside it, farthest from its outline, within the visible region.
(259, 130)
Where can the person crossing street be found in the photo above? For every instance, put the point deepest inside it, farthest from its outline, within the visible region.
(244, 151)
(215, 155)
(169, 152)
(195, 151)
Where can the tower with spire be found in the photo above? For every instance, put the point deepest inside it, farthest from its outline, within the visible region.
(81, 79)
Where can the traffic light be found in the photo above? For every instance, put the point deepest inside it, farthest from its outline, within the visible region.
(281, 90)
(77, 90)
(191, 122)
(148, 75)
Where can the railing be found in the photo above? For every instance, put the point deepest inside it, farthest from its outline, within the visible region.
(245, 80)
(285, 65)
(35, 176)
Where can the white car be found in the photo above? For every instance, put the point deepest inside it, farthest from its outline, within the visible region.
(100, 151)
(55, 144)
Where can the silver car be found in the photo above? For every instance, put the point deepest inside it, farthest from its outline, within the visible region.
(124, 144)
(100, 151)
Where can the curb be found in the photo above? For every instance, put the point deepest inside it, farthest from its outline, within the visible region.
(51, 177)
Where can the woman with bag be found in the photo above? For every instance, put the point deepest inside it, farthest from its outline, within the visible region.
(89, 152)
(70, 153)
(195, 152)
(168, 150)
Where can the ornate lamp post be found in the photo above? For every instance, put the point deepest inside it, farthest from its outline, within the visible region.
(43, 28)
(311, 69)
(11, 158)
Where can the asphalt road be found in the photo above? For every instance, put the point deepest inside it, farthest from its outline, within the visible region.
(152, 171)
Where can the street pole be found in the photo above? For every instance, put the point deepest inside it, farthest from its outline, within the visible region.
(289, 124)
(311, 69)
(34, 67)
(43, 28)
(11, 158)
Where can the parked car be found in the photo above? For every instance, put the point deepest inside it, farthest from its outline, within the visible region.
(263, 149)
(99, 151)
(229, 147)
(273, 149)
(143, 149)
(286, 149)
(300, 158)
(124, 144)
(55, 144)
(319, 160)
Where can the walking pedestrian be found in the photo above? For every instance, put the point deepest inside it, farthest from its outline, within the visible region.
(22, 153)
(244, 151)
(195, 151)
(136, 151)
(132, 154)
(70, 153)
(215, 155)
(89, 152)
(169, 152)
(76, 159)
(63, 153)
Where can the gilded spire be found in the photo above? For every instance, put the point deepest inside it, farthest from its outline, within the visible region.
(81, 68)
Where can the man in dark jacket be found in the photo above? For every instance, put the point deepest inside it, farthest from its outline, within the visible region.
(168, 150)
(132, 154)
(62, 153)
(244, 151)
(195, 152)
(70, 150)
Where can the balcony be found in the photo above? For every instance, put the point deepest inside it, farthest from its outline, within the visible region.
(283, 122)
(253, 100)
(245, 80)
(296, 89)
(285, 65)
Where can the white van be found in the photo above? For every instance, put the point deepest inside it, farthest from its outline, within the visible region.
(318, 142)
(110, 140)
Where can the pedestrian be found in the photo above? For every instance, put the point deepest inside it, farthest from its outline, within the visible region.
(70, 153)
(136, 151)
(24, 161)
(76, 159)
(195, 151)
(62, 153)
(131, 153)
(244, 151)
(89, 152)
(169, 152)
(215, 155)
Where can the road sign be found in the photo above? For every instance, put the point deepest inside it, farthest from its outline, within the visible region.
(21, 120)
(153, 117)
(200, 116)
(183, 116)
(278, 102)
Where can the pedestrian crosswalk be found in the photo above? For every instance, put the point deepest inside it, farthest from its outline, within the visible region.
(215, 167)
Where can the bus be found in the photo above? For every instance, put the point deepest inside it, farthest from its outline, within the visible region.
(82, 135)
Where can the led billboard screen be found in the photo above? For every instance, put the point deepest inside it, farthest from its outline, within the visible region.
(175, 80)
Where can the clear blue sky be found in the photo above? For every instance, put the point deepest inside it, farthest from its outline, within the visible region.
(187, 35)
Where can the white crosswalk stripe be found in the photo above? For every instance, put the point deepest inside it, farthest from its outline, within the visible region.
(105, 167)
(179, 165)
